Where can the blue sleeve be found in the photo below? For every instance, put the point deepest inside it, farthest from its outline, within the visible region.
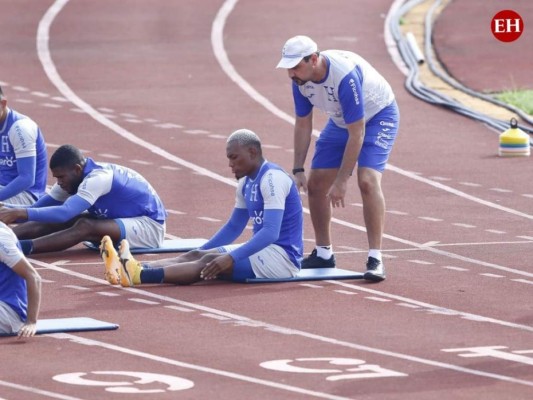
(230, 231)
(302, 105)
(24, 180)
(74, 206)
(351, 96)
(267, 235)
(46, 201)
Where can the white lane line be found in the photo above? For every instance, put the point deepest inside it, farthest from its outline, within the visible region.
(374, 298)
(76, 287)
(176, 212)
(495, 231)
(500, 190)
(312, 285)
(463, 225)
(209, 219)
(178, 308)
(215, 316)
(144, 301)
(345, 292)
(523, 281)
(40, 94)
(455, 268)
(471, 184)
(421, 262)
(227, 374)
(431, 219)
(51, 105)
(525, 237)
(493, 275)
(34, 390)
(433, 307)
(108, 294)
(395, 212)
(407, 305)
(20, 89)
(323, 339)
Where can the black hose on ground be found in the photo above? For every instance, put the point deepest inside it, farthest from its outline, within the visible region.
(411, 58)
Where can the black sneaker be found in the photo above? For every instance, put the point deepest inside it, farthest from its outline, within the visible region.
(314, 261)
(375, 270)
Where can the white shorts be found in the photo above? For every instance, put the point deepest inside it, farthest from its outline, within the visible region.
(142, 231)
(271, 262)
(10, 321)
(21, 199)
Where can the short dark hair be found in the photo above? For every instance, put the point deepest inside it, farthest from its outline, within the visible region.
(66, 156)
(1, 93)
(307, 58)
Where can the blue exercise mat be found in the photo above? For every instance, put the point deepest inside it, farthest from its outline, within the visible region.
(76, 324)
(313, 274)
(169, 246)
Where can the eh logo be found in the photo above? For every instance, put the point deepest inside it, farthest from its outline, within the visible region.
(507, 26)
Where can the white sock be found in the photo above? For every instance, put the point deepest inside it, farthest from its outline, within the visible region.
(324, 252)
(376, 253)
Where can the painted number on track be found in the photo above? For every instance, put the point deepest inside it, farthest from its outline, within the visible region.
(135, 382)
(336, 368)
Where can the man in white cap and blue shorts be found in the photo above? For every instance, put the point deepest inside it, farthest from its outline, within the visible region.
(361, 129)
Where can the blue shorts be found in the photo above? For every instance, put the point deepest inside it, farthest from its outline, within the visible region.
(380, 133)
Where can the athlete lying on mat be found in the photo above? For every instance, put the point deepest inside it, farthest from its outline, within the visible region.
(265, 194)
(90, 199)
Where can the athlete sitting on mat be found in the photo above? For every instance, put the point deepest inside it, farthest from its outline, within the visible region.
(90, 199)
(266, 195)
(20, 288)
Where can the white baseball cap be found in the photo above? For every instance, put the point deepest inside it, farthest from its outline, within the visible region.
(295, 49)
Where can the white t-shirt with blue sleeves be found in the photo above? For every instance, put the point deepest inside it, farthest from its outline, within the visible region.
(114, 191)
(351, 90)
(273, 189)
(21, 137)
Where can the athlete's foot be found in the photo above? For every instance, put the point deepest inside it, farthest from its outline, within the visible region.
(130, 268)
(111, 261)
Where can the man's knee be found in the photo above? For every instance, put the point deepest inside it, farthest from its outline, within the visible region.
(192, 255)
(320, 181)
(369, 181)
(209, 257)
(86, 228)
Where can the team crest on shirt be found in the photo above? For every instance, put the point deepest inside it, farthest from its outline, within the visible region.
(330, 92)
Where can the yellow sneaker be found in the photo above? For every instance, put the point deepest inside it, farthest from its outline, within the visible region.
(130, 271)
(111, 261)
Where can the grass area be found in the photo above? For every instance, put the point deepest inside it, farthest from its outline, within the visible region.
(522, 99)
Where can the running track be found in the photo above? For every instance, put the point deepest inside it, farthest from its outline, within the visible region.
(158, 86)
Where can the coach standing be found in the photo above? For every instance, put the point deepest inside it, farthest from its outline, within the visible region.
(362, 126)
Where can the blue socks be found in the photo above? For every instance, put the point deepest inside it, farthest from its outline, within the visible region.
(152, 275)
(26, 246)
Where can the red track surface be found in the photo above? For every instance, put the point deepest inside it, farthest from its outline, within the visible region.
(459, 226)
